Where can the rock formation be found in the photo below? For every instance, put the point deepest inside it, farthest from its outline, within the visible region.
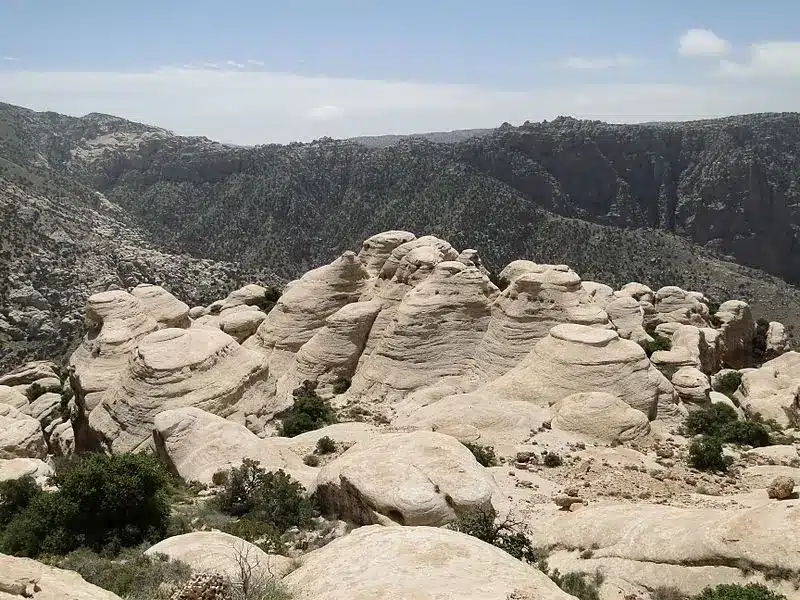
(601, 416)
(26, 578)
(773, 390)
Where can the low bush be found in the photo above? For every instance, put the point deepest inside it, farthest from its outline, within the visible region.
(325, 445)
(727, 591)
(664, 592)
(720, 421)
(483, 524)
(15, 495)
(311, 460)
(272, 497)
(264, 534)
(341, 384)
(579, 584)
(551, 460)
(483, 454)
(309, 412)
(705, 453)
(729, 382)
(103, 502)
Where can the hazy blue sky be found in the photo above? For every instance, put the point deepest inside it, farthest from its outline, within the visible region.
(251, 71)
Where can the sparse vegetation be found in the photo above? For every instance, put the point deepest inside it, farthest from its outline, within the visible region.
(552, 460)
(751, 591)
(664, 592)
(730, 382)
(705, 454)
(485, 455)
(325, 445)
(659, 342)
(311, 460)
(341, 384)
(506, 535)
(579, 584)
(309, 412)
(720, 421)
(15, 495)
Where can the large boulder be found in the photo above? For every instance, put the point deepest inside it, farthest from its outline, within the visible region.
(701, 343)
(638, 291)
(672, 304)
(423, 563)
(627, 316)
(600, 416)
(218, 552)
(525, 312)
(418, 478)
(20, 435)
(376, 249)
(773, 390)
(196, 444)
(29, 373)
(16, 468)
(777, 340)
(737, 331)
(577, 358)
(27, 578)
(174, 368)
(12, 397)
(115, 322)
(162, 306)
(692, 386)
(241, 322)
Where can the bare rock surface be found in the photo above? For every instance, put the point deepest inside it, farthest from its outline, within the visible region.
(12, 397)
(15, 468)
(424, 563)
(20, 435)
(772, 390)
(601, 416)
(162, 306)
(27, 578)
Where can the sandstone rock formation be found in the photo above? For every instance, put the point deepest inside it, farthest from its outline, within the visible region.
(601, 416)
(376, 249)
(26, 578)
(627, 316)
(773, 390)
(672, 304)
(162, 306)
(777, 340)
(737, 330)
(20, 435)
(173, 368)
(419, 478)
(12, 397)
(424, 563)
(692, 386)
(14, 468)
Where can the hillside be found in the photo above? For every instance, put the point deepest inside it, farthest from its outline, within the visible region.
(709, 205)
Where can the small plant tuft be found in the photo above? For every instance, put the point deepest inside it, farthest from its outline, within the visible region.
(552, 460)
(483, 454)
(309, 412)
(325, 445)
(341, 384)
(751, 591)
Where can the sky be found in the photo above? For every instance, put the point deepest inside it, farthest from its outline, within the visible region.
(262, 71)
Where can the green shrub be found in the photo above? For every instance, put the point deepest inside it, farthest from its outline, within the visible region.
(551, 460)
(482, 524)
(325, 445)
(747, 433)
(311, 460)
(309, 412)
(15, 496)
(659, 343)
(720, 421)
(483, 454)
(705, 453)
(578, 584)
(751, 591)
(132, 575)
(255, 531)
(664, 592)
(272, 497)
(729, 382)
(102, 502)
(341, 384)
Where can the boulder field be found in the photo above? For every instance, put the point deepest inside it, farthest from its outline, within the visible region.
(553, 403)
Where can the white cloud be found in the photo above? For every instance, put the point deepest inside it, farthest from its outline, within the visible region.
(599, 63)
(255, 63)
(702, 42)
(253, 106)
(209, 65)
(234, 64)
(767, 59)
(10, 58)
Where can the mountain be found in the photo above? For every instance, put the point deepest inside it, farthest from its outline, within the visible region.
(440, 137)
(708, 205)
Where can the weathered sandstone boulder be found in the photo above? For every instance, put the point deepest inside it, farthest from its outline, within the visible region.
(162, 306)
(472, 258)
(670, 362)
(600, 416)
(15, 468)
(701, 343)
(376, 249)
(424, 563)
(418, 478)
(773, 390)
(27, 578)
(737, 330)
(627, 316)
(45, 409)
(777, 340)
(639, 291)
(692, 386)
(718, 398)
(12, 397)
(532, 304)
(600, 293)
(679, 306)
(29, 373)
(218, 552)
(240, 324)
(251, 294)
(175, 368)
(115, 322)
(20, 435)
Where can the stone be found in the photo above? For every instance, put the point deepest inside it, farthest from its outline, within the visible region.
(162, 306)
(777, 340)
(773, 390)
(195, 444)
(670, 362)
(672, 304)
(197, 311)
(27, 578)
(240, 324)
(472, 258)
(175, 368)
(692, 386)
(627, 316)
(600, 293)
(424, 563)
(12, 397)
(417, 478)
(251, 294)
(29, 373)
(376, 249)
(718, 398)
(737, 330)
(20, 435)
(600, 416)
(700, 343)
(45, 409)
(565, 501)
(781, 488)
(204, 586)
(639, 291)
(525, 312)
(783, 454)
(218, 552)
(16, 468)
(115, 322)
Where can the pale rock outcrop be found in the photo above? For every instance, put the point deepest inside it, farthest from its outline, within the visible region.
(176, 368)
(692, 387)
(424, 563)
(777, 340)
(472, 258)
(62, 439)
(773, 390)
(700, 343)
(303, 308)
(676, 305)
(627, 316)
(781, 454)
(718, 398)
(29, 373)
(737, 330)
(765, 536)
(376, 249)
(12, 397)
(240, 324)
(197, 311)
(196, 444)
(27, 578)
(45, 409)
(162, 306)
(667, 330)
(517, 267)
(394, 264)
(417, 478)
(525, 312)
(215, 551)
(600, 293)
(115, 322)
(576, 358)
(15, 468)
(671, 361)
(20, 435)
(250, 295)
(639, 291)
(430, 336)
(600, 416)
